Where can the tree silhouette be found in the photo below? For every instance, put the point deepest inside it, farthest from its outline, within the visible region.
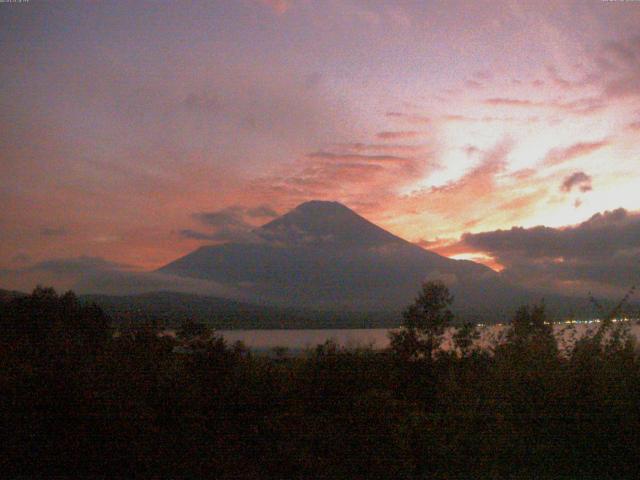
(532, 332)
(424, 322)
(465, 337)
(45, 321)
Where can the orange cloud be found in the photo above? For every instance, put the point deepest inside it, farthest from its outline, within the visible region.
(557, 156)
(397, 149)
(351, 157)
(397, 135)
(443, 246)
(454, 248)
(347, 177)
(485, 197)
(456, 118)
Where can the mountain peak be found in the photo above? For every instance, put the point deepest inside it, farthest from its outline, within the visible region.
(323, 222)
(322, 206)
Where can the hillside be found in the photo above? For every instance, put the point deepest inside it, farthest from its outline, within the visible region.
(171, 308)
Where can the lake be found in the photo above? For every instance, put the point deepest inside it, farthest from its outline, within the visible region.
(378, 338)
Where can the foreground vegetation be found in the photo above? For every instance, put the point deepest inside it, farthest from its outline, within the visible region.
(79, 402)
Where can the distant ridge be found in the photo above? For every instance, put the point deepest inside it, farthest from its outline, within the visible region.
(170, 309)
(7, 295)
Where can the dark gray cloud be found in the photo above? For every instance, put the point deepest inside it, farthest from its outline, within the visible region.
(601, 254)
(227, 217)
(240, 235)
(263, 211)
(619, 63)
(231, 224)
(234, 216)
(78, 265)
(117, 282)
(98, 275)
(196, 235)
(21, 258)
(580, 180)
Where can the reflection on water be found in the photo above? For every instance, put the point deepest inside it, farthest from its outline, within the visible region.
(300, 339)
(379, 337)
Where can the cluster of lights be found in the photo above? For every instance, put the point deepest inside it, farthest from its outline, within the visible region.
(597, 320)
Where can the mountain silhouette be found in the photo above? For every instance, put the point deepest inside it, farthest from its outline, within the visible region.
(323, 255)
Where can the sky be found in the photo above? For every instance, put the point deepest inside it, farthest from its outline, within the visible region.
(133, 132)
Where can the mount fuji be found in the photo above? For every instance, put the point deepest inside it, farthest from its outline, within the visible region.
(324, 256)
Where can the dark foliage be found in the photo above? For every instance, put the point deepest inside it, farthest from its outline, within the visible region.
(424, 323)
(80, 402)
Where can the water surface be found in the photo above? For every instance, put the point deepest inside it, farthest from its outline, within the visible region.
(378, 338)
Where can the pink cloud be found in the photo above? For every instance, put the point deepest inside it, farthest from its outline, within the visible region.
(473, 83)
(557, 156)
(410, 118)
(343, 176)
(579, 106)
(351, 157)
(557, 79)
(392, 149)
(512, 102)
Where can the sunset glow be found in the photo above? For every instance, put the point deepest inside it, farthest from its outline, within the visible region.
(123, 123)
